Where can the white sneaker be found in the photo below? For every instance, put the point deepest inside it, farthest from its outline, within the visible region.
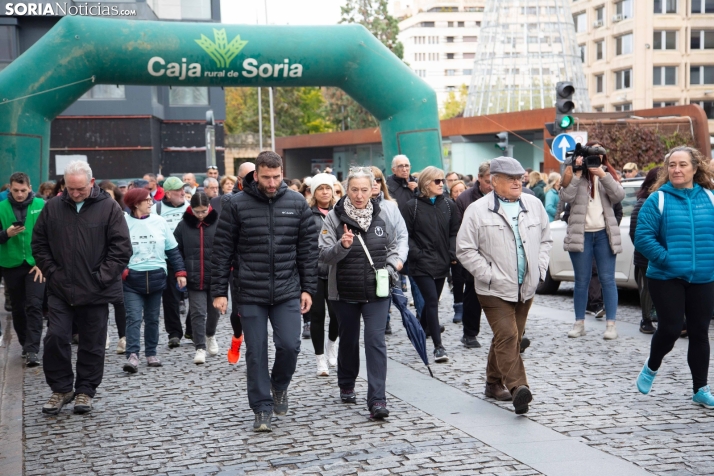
(200, 357)
(578, 329)
(331, 351)
(212, 345)
(322, 369)
(106, 346)
(121, 346)
(610, 331)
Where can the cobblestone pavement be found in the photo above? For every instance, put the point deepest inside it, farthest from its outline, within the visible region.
(187, 419)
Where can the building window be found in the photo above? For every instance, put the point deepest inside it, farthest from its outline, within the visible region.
(702, 40)
(664, 76)
(449, 55)
(581, 22)
(433, 56)
(623, 44)
(188, 96)
(8, 45)
(708, 107)
(664, 40)
(196, 9)
(450, 72)
(599, 83)
(623, 107)
(665, 6)
(469, 55)
(105, 91)
(702, 6)
(623, 9)
(600, 14)
(461, 24)
(701, 75)
(582, 53)
(623, 79)
(664, 103)
(450, 24)
(473, 9)
(470, 39)
(450, 89)
(421, 73)
(468, 72)
(600, 50)
(427, 24)
(599, 109)
(449, 39)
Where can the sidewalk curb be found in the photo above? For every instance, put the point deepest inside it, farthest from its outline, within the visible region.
(12, 376)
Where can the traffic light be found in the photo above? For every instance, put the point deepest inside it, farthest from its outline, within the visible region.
(502, 141)
(564, 105)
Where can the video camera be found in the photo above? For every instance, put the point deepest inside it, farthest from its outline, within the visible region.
(591, 154)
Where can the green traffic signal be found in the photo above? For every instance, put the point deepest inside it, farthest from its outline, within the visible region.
(566, 122)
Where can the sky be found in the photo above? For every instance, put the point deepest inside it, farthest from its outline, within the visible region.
(282, 12)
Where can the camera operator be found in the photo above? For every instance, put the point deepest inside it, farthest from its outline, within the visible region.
(591, 186)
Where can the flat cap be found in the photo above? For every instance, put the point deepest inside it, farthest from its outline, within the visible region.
(506, 166)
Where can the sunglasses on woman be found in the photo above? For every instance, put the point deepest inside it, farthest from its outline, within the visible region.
(439, 181)
(378, 180)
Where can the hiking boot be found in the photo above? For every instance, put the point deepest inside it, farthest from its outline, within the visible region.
(521, 398)
(32, 359)
(212, 346)
(646, 327)
(234, 351)
(704, 398)
(525, 343)
(121, 346)
(82, 404)
(200, 357)
(645, 379)
(263, 421)
(306, 330)
(280, 401)
(497, 391)
(56, 402)
(440, 355)
(378, 411)
(322, 368)
(610, 331)
(174, 342)
(153, 361)
(578, 329)
(331, 351)
(458, 313)
(470, 342)
(388, 328)
(132, 364)
(348, 395)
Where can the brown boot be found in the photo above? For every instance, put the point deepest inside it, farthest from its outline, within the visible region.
(497, 391)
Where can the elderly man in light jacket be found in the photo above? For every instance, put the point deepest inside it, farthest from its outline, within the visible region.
(504, 242)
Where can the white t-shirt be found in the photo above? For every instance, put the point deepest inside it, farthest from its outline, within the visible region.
(172, 215)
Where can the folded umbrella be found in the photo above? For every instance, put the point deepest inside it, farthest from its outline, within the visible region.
(411, 324)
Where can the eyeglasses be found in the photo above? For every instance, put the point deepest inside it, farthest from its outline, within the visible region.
(378, 180)
(627, 171)
(149, 200)
(512, 179)
(439, 181)
(403, 166)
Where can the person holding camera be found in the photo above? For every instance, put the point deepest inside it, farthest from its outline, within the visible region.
(361, 247)
(591, 185)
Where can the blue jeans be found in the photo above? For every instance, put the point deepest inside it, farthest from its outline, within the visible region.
(597, 246)
(149, 305)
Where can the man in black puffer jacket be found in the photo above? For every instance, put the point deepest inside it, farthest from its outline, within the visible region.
(269, 230)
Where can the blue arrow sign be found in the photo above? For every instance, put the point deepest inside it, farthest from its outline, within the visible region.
(562, 144)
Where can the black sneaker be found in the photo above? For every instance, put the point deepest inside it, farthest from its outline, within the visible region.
(388, 329)
(306, 330)
(427, 331)
(440, 354)
(188, 336)
(379, 411)
(347, 395)
(525, 343)
(174, 342)
(24, 354)
(521, 398)
(646, 327)
(470, 342)
(32, 359)
(280, 401)
(263, 421)
(600, 313)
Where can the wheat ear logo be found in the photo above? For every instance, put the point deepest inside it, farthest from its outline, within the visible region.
(220, 50)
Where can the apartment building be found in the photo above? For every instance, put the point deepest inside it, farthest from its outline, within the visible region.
(439, 39)
(639, 55)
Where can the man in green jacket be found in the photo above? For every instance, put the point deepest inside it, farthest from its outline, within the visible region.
(24, 280)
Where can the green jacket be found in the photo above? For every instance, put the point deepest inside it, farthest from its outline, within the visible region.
(18, 249)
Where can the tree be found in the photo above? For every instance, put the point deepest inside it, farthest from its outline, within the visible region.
(453, 106)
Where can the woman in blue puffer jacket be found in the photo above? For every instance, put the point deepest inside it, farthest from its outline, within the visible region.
(675, 232)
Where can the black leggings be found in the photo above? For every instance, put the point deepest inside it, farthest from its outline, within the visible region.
(235, 317)
(431, 290)
(673, 299)
(317, 318)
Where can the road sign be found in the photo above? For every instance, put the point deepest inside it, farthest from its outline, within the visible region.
(562, 144)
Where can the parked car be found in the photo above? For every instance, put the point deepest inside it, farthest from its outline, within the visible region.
(561, 268)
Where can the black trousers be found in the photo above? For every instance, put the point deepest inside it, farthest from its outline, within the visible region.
(57, 359)
(120, 318)
(595, 301)
(431, 290)
(457, 281)
(171, 298)
(673, 299)
(472, 307)
(26, 296)
(317, 318)
(235, 317)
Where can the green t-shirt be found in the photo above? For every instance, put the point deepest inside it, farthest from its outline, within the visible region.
(512, 209)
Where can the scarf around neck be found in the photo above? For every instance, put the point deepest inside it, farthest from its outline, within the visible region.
(363, 216)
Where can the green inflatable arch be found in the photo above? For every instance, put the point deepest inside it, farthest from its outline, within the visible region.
(81, 51)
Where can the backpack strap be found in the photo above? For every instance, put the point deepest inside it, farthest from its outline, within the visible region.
(660, 197)
(158, 208)
(711, 195)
